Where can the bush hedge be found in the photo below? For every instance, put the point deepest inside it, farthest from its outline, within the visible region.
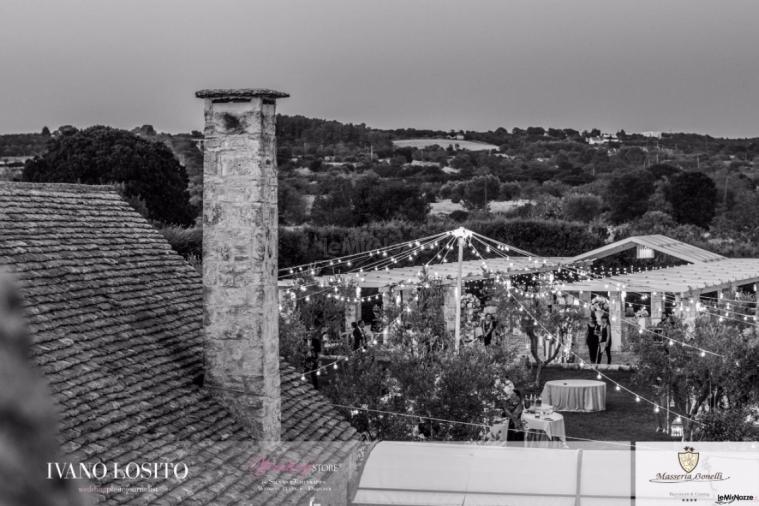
(307, 244)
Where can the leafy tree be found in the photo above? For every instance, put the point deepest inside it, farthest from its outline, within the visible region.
(654, 222)
(291, 205)
(663, 170)
(627, 195)
(703, 387)
(579, 207)
(45, 131)
(459, 216)
(334, 205)
(571, 175)
(552, 188)
(480, 190)
(693, 196)
(540, 323)
(379, 201)
(535, 131)
(315, 165)
(416, 372)
(145, 131)
(557, 133)
(509, 191)
(103, 155)
(740, 213)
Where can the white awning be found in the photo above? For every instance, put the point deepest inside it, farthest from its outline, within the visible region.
(466, 474)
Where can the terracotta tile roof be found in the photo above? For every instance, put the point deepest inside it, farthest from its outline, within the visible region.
(116, 318)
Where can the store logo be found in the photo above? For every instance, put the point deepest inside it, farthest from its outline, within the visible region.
(688, 459)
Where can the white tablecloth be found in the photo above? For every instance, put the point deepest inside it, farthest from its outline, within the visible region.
(552, 425)
(575, 395)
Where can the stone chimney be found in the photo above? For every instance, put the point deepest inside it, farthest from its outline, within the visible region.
(240, 256)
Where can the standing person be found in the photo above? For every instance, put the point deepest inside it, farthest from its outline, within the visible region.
(358, 336)
(366, 334)
(488, 329)
(592, 340)
(605, 343)
(513, 410)
(314, 351)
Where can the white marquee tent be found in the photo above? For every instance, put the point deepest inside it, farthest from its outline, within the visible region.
(477, 475)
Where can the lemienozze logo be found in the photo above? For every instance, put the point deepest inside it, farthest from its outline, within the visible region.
(688, 460)
(731, 498)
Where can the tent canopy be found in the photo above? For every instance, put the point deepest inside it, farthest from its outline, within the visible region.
(690, 279)
(467, 474)
(661, 243)
(472, 270)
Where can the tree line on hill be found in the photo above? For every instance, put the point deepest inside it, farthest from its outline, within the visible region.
(335, 174)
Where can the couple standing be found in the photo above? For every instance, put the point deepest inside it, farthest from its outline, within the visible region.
(599, 340)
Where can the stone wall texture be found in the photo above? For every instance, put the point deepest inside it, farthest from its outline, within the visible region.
(240, 260)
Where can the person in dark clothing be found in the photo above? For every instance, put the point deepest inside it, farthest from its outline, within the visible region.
(312, 357)
(359, 337)
(605, 342)
(513, 410)
(592, 341)
(488, 329)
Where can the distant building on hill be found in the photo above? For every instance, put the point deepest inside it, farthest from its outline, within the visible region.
(652, 134)
(603, 139)
(11, 167)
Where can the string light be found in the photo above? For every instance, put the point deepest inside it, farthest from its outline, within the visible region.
(578, 273)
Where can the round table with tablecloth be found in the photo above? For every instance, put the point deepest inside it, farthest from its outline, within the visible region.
(575, 395)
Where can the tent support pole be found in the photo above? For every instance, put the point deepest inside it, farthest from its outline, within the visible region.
(457, 333)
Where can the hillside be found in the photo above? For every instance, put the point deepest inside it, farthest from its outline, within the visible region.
(333, 173)
(444, 143)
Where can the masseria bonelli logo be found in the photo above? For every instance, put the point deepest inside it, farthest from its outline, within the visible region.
(688, 460)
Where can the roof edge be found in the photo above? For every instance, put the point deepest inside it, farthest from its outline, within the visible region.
(642, 240)
(66, 187)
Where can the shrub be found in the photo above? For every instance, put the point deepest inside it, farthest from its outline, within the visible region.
(459, 215)
(726, 425)
(509, 191)
(188, 242)
(581, 207)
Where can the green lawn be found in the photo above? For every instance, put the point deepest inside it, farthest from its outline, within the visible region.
(623, 420)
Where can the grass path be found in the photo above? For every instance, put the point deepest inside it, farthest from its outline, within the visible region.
(623, 420)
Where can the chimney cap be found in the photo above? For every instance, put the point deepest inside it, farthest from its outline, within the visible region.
(239, 94)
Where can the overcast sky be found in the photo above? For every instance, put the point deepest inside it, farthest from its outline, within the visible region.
(671, 65)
